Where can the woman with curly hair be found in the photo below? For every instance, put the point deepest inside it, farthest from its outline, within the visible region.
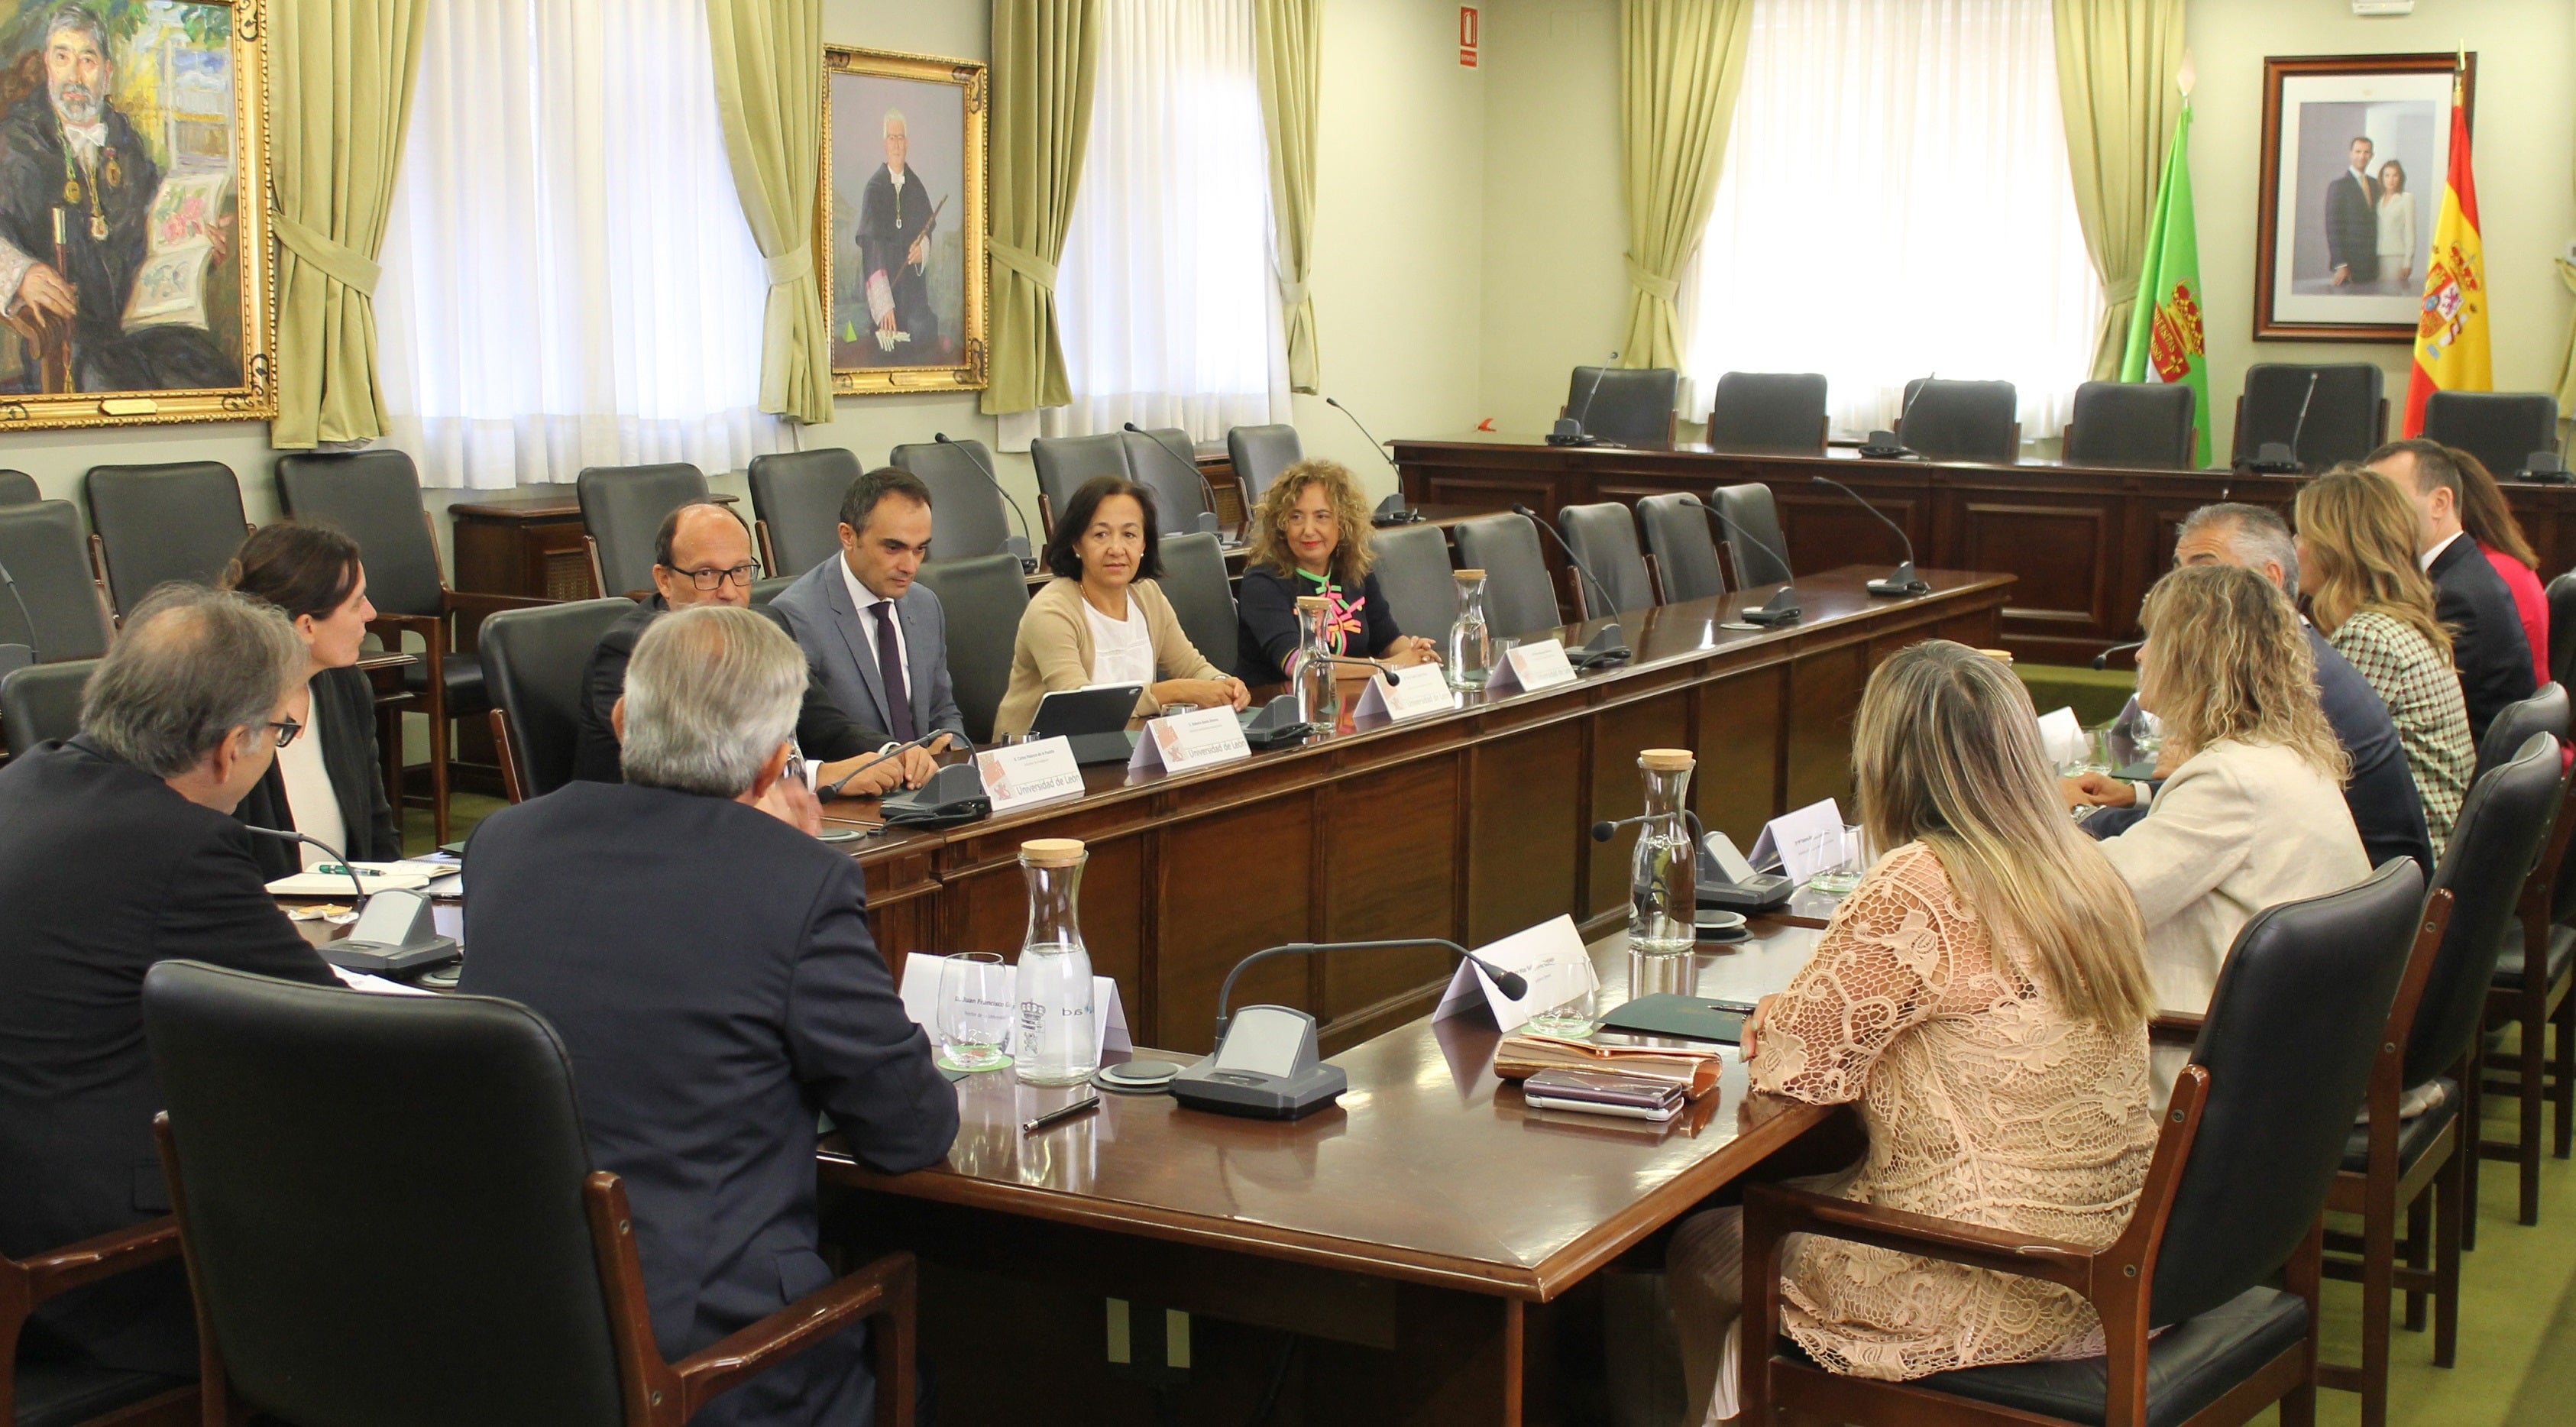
(1310, 537)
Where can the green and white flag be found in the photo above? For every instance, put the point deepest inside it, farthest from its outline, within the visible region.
(2165, 334)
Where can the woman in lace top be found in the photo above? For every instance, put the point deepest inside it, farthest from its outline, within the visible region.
(1982, 998)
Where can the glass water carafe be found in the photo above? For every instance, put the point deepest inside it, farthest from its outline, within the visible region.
(1663, 897)
(1057, 1041)
(1319, 697)
(1471, 643)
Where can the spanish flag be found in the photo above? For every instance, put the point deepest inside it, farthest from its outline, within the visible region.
(2451, 333)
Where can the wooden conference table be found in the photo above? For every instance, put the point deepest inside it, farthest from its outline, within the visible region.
(2084, 541)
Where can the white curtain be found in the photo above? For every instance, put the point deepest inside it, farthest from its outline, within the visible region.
(568, 280)
(1896, 203)
(1169, 311)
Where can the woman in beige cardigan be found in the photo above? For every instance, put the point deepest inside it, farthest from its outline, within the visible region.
(1103, 619)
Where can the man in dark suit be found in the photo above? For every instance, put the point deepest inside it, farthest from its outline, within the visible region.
(118, 849)
(2487, 643)
(878, 635)
(2381, 792)
(708, 965)
(2352, 221)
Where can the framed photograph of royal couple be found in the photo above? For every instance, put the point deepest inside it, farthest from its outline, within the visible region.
(2355, 151)
(900, 221)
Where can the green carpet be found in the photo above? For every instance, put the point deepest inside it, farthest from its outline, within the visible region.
(464, 810)
(2096, 695)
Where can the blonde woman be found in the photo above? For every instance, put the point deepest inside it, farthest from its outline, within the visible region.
(1310, 537)
(1982, 998)
(2372, 599)
(2395, 210)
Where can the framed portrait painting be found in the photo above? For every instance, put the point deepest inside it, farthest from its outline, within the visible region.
(2355, 149)
(900, 221)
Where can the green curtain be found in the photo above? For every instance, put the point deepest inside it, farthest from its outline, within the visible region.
(344, 71)
(2116, 67)
(769, 90)
(1680, 64)
(1291, 50)
(1045, 55)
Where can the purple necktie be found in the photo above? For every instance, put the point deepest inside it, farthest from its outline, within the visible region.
(890, 668)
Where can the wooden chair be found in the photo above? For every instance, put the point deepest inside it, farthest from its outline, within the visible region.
(42, 1390)
(2535, 1001)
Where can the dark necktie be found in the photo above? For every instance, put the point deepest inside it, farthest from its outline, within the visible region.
(890, 669)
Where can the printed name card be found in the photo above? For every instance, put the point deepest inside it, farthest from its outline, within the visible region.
(1550, 957)
(1021, 774)
(1807, 841)
(1400, 694)
(1201, 738)
(921, 994)
(1532, 667)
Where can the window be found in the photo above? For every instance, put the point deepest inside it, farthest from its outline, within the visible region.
(1896, 202)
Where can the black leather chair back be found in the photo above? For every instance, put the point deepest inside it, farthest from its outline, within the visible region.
(1769, 412)
(984, 596)
(532, 663)
(42, 546)
(1166, 462)
(1960, 421)
(798, 494)
(350, 1162)
(1605, 535)
(1751, 511)
(41, 702)
(1065, 462)
(2501, 428)
(2515, 723)
(2293, 1026)
(18, 488)
(2131, 424)
(1412, 569)
(967, 517)
(766, 590)
(1520, 597)
(179, 521)
(1624, 403)
(2344, 421)
(1259, 454)
(1685, 553)
(2493, 848)
(2562, 627)
(373, 497)
(1194, 581)
(622, 508)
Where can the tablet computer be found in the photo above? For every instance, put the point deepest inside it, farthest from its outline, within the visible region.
(1092, 720)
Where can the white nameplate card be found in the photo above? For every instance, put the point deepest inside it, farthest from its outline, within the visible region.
(1201, 738)
(1807, 841)
(1400, 694)
(1550, 957)
(921, 1002)
(1532, 667)
(2061, 737)
(1019, 775)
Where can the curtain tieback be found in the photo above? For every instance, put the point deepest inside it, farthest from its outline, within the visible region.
(337, 260)
(2119, 291)
(797, 262)
(1027, 264)
(1652, 284)
(1292, 295)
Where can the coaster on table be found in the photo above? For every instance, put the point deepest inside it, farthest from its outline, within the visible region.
(1136, 1076)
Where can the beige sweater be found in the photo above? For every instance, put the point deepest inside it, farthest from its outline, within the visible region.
(1054, 650)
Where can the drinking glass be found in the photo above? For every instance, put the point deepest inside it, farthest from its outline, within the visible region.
(975, 1006)
(1839, 879)
(1563, 991)
(2148, 733)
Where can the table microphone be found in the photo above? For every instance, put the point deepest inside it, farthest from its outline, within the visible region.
(2274, 459)
(828, 791)
(1510, 983)
(1207, 518)
(327, 850)
(1392, 510)
(2103, 659)
(1602, 831)
(1609, 644)
(1902, 580)
(1884, 445)
(1026, 538)
(18, 656)
(1569, 427)
(1783, 607)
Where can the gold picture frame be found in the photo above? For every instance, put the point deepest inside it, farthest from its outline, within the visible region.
(193, 334)
(895, 325)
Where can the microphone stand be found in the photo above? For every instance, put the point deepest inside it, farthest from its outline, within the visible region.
(2103, 659)
(1609, 644)
(1510, 983)
(1783, 607)
(1207, 521)
(1902, 580)
(1027, 536)
(9, 660)
(1392, 510)
(327, 850)
(1569, 429)
(2274, 459)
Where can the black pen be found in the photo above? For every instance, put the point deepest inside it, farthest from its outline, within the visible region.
(1062, 1112)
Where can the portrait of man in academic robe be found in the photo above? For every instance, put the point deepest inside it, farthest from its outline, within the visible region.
(900, 224)
(896, 215)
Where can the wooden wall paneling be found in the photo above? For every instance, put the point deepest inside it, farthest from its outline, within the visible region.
(1520, 860)
(2062, 548)
(1388, 862)
(1227, 885)
(1825, 529)
(987, 909)
(1736, 788)
(1618, 732)
(1824, 693)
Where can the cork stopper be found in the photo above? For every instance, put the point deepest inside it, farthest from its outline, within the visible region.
(1051, 851)
(1310, 603)
(2000, 656)
(1666, 760)
(1468, 574)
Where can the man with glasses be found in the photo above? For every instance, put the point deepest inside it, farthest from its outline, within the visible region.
(702, 555)
(119, 849)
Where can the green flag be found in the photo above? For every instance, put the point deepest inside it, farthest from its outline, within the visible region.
(2165, 342)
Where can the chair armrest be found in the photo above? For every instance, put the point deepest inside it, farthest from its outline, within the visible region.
(102, 1257)
(1773, 1212)
(473, 605)
(2174, 1028)
(800, 1325)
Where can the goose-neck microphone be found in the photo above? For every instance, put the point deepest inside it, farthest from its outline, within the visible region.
(2103, 659)
(1207, 522)
(338, 858)
(1783, 607)
(1027, 538)
(1608, 643)
(1902, 580)
(1511, 983)
(10, 654)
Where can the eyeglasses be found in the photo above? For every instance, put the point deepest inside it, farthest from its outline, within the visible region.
(287, 729)
(741, 575)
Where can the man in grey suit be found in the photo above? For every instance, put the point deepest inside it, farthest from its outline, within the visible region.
(880, 639)
(2352, 220)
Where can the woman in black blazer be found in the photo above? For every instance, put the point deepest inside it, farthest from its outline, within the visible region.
(1310, 536)
(324, 784)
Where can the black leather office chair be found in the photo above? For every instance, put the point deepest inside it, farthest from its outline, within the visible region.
(2241, 1168)
(764, 591)
(1194, 581)
(1605, 535)
(1684, 552)
(1413, 572)
(1624, 403)
(2131, 424)
(1259, 454)
(1949, 420)
(533, 660)
(1064, 463)
(1165, 461)
(18, 488)
(2501, 428)
(1520, 599)
(42, 546)
(796, 506)
(153, 524)
(2561, 595)
(41, 1386)
(1769, 412)
(968, 514)
(1750, 512)
(342, 1162)
(2538, 1002)
(42, 701)
(984, 597)
(2347, 417)
(2544, 712)
(621, 511)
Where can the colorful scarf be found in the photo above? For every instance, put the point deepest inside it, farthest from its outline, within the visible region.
(1342, 614)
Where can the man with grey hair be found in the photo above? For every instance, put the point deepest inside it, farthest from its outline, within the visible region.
(708, 964)
(2386, 808)
(118, 849)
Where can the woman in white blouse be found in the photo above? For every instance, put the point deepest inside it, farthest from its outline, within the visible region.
(2396, 227)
